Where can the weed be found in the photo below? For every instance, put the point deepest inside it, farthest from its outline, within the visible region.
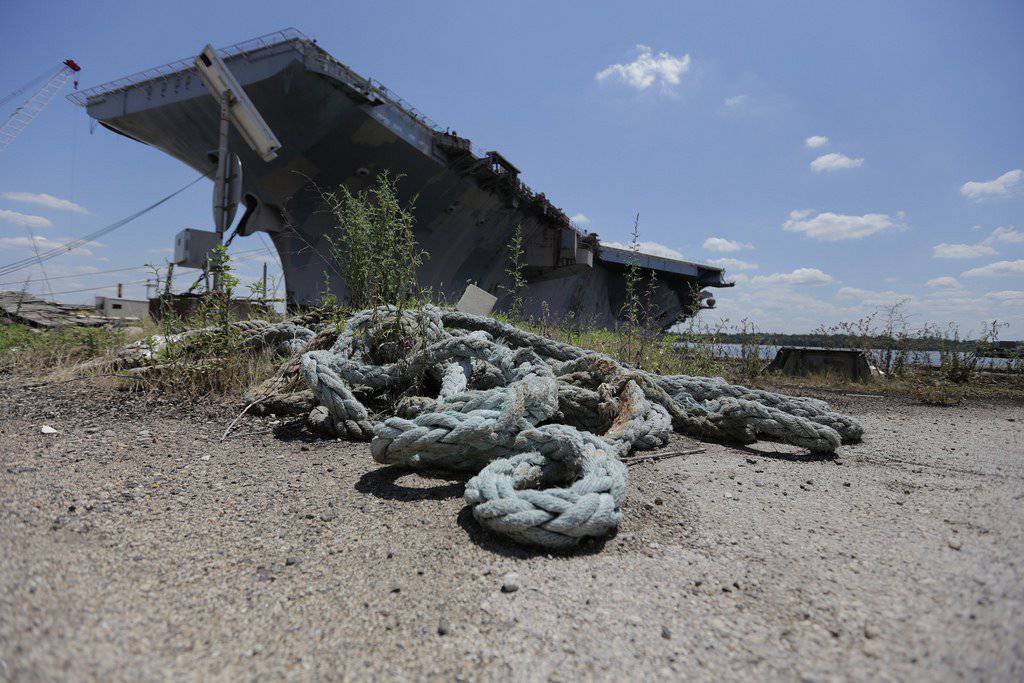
(514, 270)
(375, 245)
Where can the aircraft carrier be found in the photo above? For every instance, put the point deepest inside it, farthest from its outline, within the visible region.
(339, 128)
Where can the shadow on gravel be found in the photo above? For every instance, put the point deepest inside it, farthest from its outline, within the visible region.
(295, 430)
(381, 483)
(803, 456)
(495, 544)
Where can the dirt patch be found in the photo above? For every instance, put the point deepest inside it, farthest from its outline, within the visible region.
(136, 545)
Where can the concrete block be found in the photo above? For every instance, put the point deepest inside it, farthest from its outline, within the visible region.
(476, 301)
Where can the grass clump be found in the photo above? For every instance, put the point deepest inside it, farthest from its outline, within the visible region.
(25, 350)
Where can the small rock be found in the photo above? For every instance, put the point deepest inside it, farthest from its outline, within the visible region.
(91, 430)
(443, 627)
(291, 561)
(510, 583)
(659, 501)
(666, 633)
(870, 632)
(145, 432)
(47, 429)
(956, 545)
(109, 433)
(329, 516)
(846, 484)
(304, 448)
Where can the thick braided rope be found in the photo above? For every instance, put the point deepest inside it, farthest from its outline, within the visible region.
(544, 424)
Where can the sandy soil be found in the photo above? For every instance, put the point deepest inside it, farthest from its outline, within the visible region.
(134, 545)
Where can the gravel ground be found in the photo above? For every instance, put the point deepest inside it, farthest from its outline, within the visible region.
(134, 545)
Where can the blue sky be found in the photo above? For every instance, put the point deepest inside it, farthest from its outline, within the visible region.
(697, 116)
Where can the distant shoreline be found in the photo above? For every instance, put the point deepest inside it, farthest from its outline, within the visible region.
(844, 341)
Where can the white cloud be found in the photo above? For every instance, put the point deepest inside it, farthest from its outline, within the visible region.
(944, 282)
(997, 268)
(24, 220)
(647, 69)
(834, 161)
(1007, 297)
(732, 263)
(1002, 234)
(961, 250)
(800, 276)
(1000, 187)
(652, 248)
(46, 200)
(579, 219)
(735, 101)
(834, 227)
(816, 141)
(871, 297)
(1006, 235)
(724, 246)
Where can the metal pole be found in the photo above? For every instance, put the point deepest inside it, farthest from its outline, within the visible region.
(119, 290)
(223, 166)
(264, 290)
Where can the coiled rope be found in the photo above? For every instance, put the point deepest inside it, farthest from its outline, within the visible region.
(544, 425)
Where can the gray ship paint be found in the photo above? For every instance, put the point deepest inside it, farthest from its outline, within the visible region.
(338, 128)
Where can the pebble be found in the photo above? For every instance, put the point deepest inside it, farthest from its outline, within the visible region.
(510, 583)
(47, 429)
(291, 561)
(666, 633)
(956, 545)
(329, 516)
(870, 632)
(443, 627)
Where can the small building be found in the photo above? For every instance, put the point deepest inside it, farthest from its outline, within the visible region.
(114, 307)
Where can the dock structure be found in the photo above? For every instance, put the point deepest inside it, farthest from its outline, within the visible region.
(337, 128)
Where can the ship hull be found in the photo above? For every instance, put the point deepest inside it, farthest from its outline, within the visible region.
(336, 132)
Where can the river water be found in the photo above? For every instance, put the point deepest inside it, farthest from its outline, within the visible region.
(933, 358)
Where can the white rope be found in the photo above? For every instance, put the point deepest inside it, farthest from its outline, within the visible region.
(544, 424)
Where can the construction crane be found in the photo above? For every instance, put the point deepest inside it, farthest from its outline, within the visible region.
(30, 108)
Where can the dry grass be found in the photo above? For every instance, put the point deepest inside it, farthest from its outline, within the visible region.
(29, 351)
(228, 375)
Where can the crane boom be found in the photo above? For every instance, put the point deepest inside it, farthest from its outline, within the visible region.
(31, 107)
